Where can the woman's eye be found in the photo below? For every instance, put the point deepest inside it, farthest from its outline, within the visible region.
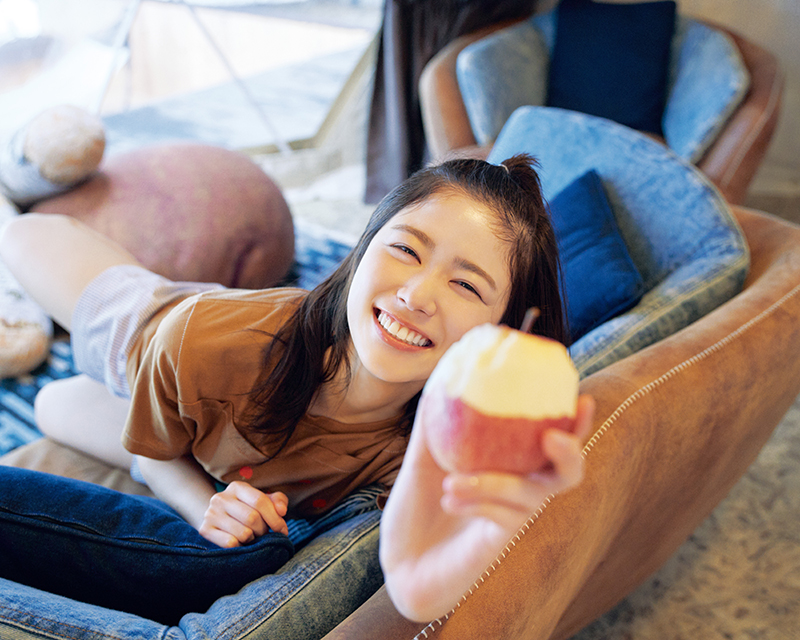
(470, 288)
(405, 249)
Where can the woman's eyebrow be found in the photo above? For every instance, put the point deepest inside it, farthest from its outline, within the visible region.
(461, 263)
(474, 268)
(423, 237)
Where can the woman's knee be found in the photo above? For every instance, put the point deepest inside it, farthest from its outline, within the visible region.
(50, 408)
(81, 413)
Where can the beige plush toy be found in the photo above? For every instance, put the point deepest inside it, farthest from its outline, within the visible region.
(59, 148)
(56, 150)
(65, 144)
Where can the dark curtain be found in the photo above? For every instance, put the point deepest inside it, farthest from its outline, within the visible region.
(413, 31)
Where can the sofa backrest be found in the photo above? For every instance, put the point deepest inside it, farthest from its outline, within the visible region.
(509, 69)
(678, 229)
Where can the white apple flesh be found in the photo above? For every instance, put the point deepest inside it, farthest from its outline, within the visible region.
(492, 396)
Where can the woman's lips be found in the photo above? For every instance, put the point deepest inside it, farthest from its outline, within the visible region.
(401, 332)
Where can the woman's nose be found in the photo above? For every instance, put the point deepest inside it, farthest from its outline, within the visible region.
(419, 294)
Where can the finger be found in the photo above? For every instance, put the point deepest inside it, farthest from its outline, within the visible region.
(281, 502)
(227, 513)
(508, 491)
(218, 536)
(507, 517)
(565, 453)
(507, 500)
(584, 417)
(267, 509)
(272, 507)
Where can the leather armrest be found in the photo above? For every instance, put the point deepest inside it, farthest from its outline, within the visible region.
(677, 425)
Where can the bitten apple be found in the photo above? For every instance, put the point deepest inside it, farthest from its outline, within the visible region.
(491, 397)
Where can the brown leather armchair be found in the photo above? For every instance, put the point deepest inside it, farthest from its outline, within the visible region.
(678, 423)
(730, 162)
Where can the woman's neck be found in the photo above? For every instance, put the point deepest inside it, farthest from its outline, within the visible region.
(361, 398)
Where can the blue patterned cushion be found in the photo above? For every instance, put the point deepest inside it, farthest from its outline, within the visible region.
(708, 81)
(677, 227)
(600, 279)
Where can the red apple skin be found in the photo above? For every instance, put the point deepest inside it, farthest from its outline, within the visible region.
(464, 440)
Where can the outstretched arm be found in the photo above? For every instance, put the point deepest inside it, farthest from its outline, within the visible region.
(439, 532)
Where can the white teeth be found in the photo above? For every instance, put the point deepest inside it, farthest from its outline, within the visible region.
(400, 332)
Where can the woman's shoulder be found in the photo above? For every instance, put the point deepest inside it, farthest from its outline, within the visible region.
(219, 336)
(255, 299)
(220, 323)
(236, 309)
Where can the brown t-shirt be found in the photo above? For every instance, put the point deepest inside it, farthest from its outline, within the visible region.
(193, 370)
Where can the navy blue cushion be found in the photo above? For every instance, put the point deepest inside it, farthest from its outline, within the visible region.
(600, 279)
(612, 60)
(119, 551)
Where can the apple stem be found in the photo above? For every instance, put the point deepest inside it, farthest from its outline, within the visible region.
(530, 317)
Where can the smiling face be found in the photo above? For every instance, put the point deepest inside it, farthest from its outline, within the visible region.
(434, 271)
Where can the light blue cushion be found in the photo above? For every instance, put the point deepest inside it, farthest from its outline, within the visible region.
(504, 71)
(708, 81)
(508, 69)
(500, 73)
(679, 230)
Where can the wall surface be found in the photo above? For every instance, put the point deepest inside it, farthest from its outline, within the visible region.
(775, 25)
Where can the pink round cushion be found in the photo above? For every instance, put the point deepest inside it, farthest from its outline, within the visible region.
(189, 212)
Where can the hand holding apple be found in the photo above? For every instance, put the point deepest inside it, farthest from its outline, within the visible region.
(492, 396)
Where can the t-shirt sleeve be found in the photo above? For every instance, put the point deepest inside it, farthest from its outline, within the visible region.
(194, 367)
(156, 427)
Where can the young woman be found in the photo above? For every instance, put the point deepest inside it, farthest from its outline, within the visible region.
(292, 400)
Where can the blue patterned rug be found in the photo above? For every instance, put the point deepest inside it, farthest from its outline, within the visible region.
(316, 255)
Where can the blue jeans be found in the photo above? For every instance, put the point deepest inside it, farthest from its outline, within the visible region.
(334, 570)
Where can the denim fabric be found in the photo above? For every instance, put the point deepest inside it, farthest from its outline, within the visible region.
(339, 568)
(708, 81)
(679, 231)
(120, 551)
(498, 74)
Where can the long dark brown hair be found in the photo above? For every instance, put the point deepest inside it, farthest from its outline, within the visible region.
(311, 347)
